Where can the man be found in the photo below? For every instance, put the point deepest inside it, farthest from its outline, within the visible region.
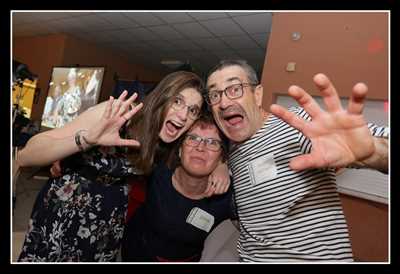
(283, 163)
(178, 215)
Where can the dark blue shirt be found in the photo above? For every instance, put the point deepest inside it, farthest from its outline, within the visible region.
(158, 230)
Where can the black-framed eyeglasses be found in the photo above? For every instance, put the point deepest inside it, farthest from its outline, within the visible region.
(210, 143)
(179, 103)
(232, 92)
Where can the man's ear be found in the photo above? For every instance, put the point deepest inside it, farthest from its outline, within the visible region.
(180, 152)
(258, 95)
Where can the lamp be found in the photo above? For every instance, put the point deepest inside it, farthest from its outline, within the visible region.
(172, 63)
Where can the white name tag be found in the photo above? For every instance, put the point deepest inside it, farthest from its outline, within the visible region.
(262, 169)
(200, 219)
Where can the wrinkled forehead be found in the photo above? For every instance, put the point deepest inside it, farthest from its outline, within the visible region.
(205, 130)
(221, 78)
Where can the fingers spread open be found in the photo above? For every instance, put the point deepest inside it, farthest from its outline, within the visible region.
(123, 95)
(289, 117)
(305, 100)
(127, 105)
(132, 112)
(329, 93)
(356, 103)
(107, 110)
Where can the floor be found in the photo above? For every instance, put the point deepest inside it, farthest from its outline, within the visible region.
(220, 246)
(26, 188)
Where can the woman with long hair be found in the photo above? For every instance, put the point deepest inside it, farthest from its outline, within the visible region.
(80, 216)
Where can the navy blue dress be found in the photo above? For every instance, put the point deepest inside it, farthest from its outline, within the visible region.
(81, 215)
(158, 230)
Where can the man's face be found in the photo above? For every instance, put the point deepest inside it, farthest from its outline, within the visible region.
(199, 161)
(238, 118)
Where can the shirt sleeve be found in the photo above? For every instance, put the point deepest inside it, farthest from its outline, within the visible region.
(379, 131)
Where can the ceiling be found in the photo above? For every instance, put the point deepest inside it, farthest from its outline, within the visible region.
(199, 38)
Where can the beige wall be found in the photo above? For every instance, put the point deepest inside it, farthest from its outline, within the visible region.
(349, 48)
(41, 53)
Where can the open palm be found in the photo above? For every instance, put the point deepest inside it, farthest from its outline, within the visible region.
(339, 136)
(116, 113)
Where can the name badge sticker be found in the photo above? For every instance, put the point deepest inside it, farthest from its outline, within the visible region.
(200, 219)
(262, 169)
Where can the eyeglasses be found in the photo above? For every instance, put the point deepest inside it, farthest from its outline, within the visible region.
(179, 104)
(210, 143)
(232, 92)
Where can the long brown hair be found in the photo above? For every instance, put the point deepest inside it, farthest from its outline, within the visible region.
(146, 125)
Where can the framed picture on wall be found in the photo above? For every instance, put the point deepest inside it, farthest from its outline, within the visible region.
(71, 91)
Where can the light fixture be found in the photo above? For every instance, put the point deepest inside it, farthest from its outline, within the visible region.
(172, 63)
(296, 36)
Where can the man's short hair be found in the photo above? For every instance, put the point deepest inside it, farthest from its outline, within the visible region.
(251, 74)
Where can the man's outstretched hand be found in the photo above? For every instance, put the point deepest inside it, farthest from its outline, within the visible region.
(339, 136)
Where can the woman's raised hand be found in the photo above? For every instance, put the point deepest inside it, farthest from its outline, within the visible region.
(116, 113)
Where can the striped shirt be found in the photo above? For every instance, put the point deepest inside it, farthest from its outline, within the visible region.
(287, 215)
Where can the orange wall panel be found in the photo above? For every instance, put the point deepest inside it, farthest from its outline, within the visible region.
(349, 47)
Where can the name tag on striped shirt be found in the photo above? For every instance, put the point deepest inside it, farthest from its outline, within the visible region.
(262, 169)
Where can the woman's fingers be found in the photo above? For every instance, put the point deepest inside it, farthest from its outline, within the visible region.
(128, 104)
(107, 111)
(118, 103)
(132, 112)
(129, 142)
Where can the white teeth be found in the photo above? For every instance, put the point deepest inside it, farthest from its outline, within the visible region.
(176, 124)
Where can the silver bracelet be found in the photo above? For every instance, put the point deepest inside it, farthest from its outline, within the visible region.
(78, 140)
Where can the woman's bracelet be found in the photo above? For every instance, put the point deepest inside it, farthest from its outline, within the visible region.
(78, 140)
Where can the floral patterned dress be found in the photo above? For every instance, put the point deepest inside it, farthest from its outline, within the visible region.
(80, 216)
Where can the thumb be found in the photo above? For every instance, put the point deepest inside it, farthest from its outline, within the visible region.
(129, 142)
(303, 162)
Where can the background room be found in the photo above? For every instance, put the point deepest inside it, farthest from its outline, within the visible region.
(108, 52)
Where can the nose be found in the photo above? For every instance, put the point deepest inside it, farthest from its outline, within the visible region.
(182, 114)
(201, 146)
(225, 101)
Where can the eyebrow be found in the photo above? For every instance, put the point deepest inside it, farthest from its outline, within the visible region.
(192, 134)
(228, 80)
(184, 99)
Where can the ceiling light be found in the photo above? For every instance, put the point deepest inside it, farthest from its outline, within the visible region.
(172, 63)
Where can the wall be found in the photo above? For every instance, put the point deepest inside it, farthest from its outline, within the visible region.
(349, 48)
(83, 53)
(41, 53)
(368, 228)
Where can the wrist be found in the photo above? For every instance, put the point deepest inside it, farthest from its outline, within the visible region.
(82, 141)
(379, 159)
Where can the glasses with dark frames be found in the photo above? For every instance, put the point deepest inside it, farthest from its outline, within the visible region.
(210, 143)
(232, 92)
